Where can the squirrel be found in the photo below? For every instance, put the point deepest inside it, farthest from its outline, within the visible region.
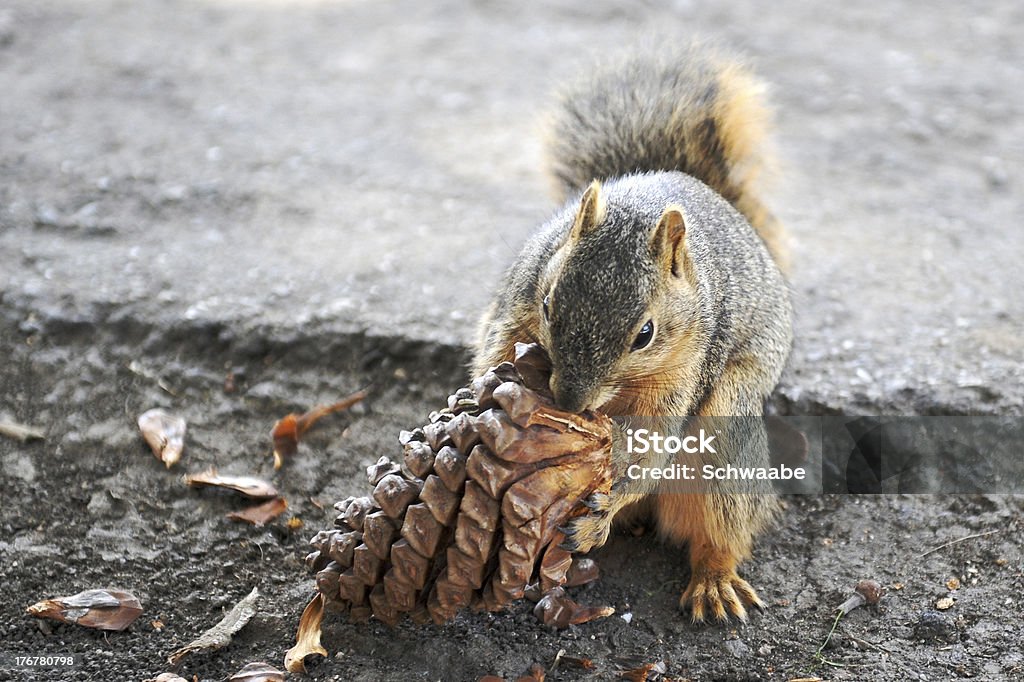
(658, 290)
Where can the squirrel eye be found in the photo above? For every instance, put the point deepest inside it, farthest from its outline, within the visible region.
(644, 338)
(544, 305)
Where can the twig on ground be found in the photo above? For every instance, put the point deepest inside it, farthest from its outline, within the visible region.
(959, 540)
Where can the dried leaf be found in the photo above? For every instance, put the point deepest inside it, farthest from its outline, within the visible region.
(289, 429)
(286, 439)
(100, 609)
(536, 673)
(20, 432)
(258, 672)
(249, 486)
(167, 677)
(583, 570)
(557, 609)
(307, 641)
(220, 634)
(642, 673)
(260, 514)
(165, 434)
(581, 663)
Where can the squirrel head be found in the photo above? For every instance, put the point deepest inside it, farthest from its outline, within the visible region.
(615, 301)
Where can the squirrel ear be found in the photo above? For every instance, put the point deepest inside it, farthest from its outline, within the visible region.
(591, 213)
(669, 240)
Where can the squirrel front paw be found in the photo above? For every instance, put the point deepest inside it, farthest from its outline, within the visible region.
(719, 593)
(590, 530)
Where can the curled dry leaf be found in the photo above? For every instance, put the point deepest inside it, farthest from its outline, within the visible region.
(286, 438)
(20, 432)
(250, 486)
(100, 609)
(643, 673)
(220, 634)
(307, 641)
(258, 672)
(165, 434)
(260, 514)
(557, 609)
(289, 429)
(167, 677)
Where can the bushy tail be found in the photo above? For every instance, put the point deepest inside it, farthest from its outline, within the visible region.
(691, 110)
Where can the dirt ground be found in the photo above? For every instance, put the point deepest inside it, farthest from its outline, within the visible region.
(316, 197)
(90, 507)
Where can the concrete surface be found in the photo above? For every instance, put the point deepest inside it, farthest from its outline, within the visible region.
(371, 167)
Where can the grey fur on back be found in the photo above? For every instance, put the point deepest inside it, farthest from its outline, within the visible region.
(686, 110)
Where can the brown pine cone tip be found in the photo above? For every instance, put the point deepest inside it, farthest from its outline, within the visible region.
(470, 516)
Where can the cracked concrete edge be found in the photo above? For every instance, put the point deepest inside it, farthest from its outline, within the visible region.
(330, 346)
(422, 354)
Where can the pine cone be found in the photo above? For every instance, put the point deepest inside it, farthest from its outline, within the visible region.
(470, 516)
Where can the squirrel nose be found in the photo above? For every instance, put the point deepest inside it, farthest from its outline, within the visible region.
(568, 396)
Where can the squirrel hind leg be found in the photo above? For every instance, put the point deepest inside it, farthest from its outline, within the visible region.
(715, 589)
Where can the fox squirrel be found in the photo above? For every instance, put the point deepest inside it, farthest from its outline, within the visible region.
(657, 290)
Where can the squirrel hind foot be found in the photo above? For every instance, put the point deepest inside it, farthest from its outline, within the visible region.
(720, 595)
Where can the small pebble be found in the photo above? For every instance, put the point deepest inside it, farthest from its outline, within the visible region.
(933, 625)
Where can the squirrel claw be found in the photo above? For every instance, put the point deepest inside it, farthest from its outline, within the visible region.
(719, 595)
(597, 502)
(569, 543)
(583, 533)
